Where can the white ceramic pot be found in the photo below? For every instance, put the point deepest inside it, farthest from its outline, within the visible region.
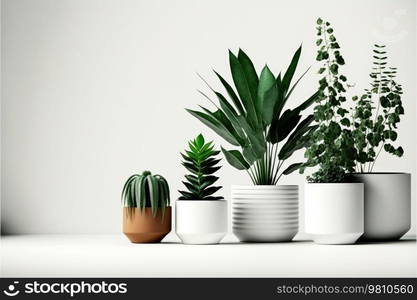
(387, 205)
(334, 212)
(201, 221)
(265, 213)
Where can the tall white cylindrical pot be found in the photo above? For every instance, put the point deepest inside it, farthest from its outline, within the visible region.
(334, 212)
(201, 221)
(387, 205)
(265, 213)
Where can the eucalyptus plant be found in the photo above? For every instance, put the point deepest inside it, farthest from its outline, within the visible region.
(374, 128)
(254, 119)
(200, 159)
(333, 144)
(146, 190)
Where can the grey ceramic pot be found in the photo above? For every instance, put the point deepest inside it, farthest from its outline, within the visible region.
(387, 199)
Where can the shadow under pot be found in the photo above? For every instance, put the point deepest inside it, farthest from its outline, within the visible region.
(387, 205)
(201, 221)
(334, 212)
(265, 213)
(140, 226)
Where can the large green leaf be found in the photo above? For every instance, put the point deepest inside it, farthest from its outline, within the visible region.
(288, 94)
(250, 73)
(292, 168)
(281, 128)
(215, 125)
(232, 94)
(242, 86)
(286, 80)
(308, 102)
(302, 127)
(280, 98)
(300, 140)
(233, 118)
(248, 154)
(283, 124)
(235, 158)
(220, 116)
(266, 81)
(285, 95)
(256, 138)
(267, 95)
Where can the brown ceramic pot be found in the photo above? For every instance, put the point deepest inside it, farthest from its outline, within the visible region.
(141, 227)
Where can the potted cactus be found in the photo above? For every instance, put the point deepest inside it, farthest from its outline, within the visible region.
(333, 203)
(146, 208)
(374, 122)
(255, 119)
(200, 217)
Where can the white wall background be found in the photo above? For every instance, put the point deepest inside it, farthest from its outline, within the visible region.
(93, 91)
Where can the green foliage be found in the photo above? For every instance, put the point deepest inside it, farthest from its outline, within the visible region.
(332, 147)
(255, 119)
(351, 141)
(200, 160)
(329, 173)
(373, 128)
(146, 190)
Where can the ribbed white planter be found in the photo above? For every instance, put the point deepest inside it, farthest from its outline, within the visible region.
(265, 213)
(387, 205)
(201, 222)
(334, 212)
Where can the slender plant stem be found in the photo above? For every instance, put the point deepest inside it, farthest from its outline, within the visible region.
(274, 155)
(280, 162)
(277, 180)
(379, 151)
(250, 175)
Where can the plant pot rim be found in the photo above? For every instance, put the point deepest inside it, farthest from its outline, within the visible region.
(194, 200)
(269, 186)
(335, 183)
(380, 173)
(146, 208)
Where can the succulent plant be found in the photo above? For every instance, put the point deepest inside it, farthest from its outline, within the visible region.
(255, 119)
(146, 190)
(200, 159)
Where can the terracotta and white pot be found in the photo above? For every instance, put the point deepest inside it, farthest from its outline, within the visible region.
(334, 212)
(387, 204)
(140, 226)
(201, 221)
(265, 213)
